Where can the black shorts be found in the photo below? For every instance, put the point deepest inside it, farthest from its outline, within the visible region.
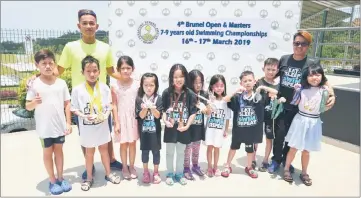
(249, 148)
(269, 130)
(48, 142)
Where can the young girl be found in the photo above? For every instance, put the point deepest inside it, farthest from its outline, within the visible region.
(179, 102)
(148, 108)
(217, 123)
(305, 132)
(92, 102)
(197, 129)
(124, 93)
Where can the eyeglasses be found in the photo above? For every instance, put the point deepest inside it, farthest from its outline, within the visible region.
(302, 44)
(86, 12)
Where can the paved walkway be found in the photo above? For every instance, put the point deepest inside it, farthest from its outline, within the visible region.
(335, 172)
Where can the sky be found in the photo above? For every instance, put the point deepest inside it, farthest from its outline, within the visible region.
(49, 15)
(52, 15)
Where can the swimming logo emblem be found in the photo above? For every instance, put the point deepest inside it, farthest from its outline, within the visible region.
(148, 32)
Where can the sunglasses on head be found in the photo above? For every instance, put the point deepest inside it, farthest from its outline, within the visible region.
(86, 12)
(297, 44)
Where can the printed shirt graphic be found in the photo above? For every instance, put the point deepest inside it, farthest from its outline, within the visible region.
(172, 135)
(49, 115)
(311, 100)
(150, 127)
(268, 102)
(247, 120)
(74, 52)
(291, 77)
(290, 72)
(81, 101)
(197, 129)
(217, 119)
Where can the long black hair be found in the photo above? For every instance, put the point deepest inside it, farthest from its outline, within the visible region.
(192, 78)
(141, 91)
(174, 68)
(214, 80)
(312, 69)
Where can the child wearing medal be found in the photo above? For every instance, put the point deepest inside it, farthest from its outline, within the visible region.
(92, 102)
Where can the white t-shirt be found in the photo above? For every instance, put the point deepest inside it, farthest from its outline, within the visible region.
(92, 134)
(49, 115)
(216, 124)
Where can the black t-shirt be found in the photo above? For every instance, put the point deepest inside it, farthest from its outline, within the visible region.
(267, 99)
(247, 120)
(186, 105)
(290, 72)
(197, 128)
(149, 128)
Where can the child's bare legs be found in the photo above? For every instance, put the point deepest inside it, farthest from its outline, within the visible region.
(59, 160)
(48, 163)
(124, 159)
(104, 154)
(267, 150)
(89, 161)
(216, 171)
(290, 157)
(230, 157)
(250, 170)
(132, 152)
(305, 159)
(265, 164)
(227, 167)
(209, 160)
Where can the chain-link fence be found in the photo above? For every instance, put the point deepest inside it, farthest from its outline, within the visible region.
(17, 49)
(336, 34)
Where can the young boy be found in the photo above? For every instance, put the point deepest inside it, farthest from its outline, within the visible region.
(92, 102)
(248, 112)
(49, 96)
(270, 70)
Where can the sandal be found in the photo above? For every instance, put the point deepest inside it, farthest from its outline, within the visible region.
(86, 185)
(113, 179)
(188, 174)
(305, 178)
(217, 172)
(180, 179)
(156, 178)
(210, 172)
(264, 167)
(287, 176)
(133, 173)
(126, 174)
(226, 171)
(170, 179)
(197, 170)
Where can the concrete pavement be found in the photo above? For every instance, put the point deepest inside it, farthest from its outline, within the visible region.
(335, 172)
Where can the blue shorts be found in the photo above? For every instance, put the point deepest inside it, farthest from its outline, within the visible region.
(110, 124)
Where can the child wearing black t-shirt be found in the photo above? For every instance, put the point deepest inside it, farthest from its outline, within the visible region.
(248, 114)
(148, 111)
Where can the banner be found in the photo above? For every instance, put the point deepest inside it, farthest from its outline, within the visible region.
(216, 37)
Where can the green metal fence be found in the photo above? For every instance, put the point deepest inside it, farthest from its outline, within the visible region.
(17, 48)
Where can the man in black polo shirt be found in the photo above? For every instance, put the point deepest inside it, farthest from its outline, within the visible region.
(290, 67)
